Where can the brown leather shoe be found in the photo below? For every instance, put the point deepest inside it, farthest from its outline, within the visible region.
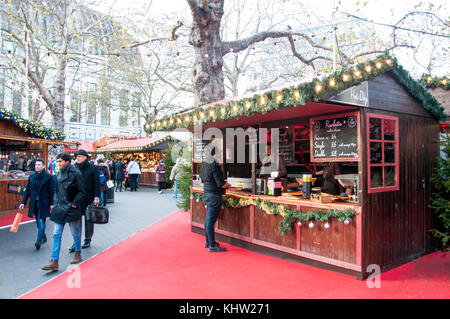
(53, 265)
(76, 258)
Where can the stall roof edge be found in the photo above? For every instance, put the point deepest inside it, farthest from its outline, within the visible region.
(137, 145)
(301, 93)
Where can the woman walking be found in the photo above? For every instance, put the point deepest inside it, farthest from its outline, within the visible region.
(160, 175)
(120, 174)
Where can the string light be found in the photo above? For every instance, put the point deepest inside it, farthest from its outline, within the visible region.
(186, 118)
(211, 113)
(368, 68)
(279, 98)
(235, 108)
(202, 115)
(389, 61)
(444, 81)
(248, 105)
(318, 87)
(222, 110)
(171, 121)
(429, 79)
(297, 94)
(345, 77)
(332, 83)
(262, 100)
(357, 73)
(378, 65)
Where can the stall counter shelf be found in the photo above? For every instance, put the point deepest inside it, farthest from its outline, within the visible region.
(9, 202)
(337, 245)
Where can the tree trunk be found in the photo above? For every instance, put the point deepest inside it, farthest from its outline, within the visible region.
(59, 107)
(207, 74)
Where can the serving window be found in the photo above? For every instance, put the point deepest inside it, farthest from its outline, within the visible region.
(383, 153)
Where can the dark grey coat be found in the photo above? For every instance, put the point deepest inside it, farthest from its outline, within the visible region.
(69, 191)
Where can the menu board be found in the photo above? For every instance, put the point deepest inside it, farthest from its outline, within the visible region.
(285, 143)
(198, 149)
(334, 138)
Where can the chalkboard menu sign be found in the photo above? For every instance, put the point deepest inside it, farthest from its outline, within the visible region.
(334, 138)
(198, 148)
(285, 143)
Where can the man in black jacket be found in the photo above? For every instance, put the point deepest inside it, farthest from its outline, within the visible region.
(91, 181)
(214, 188)
(40, 190)
(69, 195)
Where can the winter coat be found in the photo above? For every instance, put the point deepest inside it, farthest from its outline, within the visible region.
(91, 180)
(39, 185)
(175, 174)
(212, 178)
(133, 168)
(112, 170)
(105, 169)
(161, 173)
(69, 191)
(120, 174)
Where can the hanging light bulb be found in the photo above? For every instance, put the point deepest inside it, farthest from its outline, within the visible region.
(311, 224)
(211, 113)
(345, 77)
(368, 68)
(332, 83)
(357, 73)
(297, 94)
(186, 118)
(202, 115)
(327, 225)
(346, 222)
(171, 121)
(279, 98)
(222, 110)
(300, 223)
(444, 81)
(318, 87)
(389, 61)
(429, 79)
(235, 108)
(248, 105)
(378, 65)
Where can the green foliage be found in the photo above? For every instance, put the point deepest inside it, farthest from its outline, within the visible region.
(169, 162)
(441, 194)
(184, 187)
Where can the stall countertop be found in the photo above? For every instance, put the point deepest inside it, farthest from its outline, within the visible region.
(287, 200)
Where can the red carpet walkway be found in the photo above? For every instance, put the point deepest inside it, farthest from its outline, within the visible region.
(166, 260)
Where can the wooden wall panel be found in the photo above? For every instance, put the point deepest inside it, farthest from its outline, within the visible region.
(235, 220)
(10, 201)
(396, 224)
(198, 212)
(337, 242)
(266, 229)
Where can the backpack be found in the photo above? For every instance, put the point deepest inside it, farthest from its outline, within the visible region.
(102, 177)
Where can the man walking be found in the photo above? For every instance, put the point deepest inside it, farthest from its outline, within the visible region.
(40, 190)
(214, 188)
(133, 171)
(91, 181)
(69, 195)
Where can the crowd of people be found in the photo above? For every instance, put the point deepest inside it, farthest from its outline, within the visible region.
(22, 164)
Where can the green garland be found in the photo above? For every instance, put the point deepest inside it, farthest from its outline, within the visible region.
(289, 215)
(316, 90)
(31, 127)
(429, 81)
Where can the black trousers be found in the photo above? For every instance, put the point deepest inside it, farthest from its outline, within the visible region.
(133, 181)
(88, 230)
(160, 186)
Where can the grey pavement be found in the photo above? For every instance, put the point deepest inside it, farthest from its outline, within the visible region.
(20, 262)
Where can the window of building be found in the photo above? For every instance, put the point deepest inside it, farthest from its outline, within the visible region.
(75, 108)
(383, 153)
(105, 113)
(17, 102)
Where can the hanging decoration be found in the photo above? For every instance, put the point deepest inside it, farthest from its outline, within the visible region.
(38, 129)
(289, 215)
(430, 81)
(316, 90)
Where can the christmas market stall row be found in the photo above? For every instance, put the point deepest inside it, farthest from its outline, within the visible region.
(21, 139)
(147, 151)
(357, 149)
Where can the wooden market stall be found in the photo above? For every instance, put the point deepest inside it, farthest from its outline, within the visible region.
(26, 139)
(148, 151)
(379, 124)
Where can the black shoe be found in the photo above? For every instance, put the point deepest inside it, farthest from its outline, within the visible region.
(72, 249)
(37, 245)
(206, 244)
(217, 248)
(87, 244)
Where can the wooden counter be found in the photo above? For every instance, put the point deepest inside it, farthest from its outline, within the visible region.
(337, 248)
(148, 179)
(9, 202)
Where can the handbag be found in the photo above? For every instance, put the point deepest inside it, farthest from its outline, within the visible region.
(97, 214)
(110, 183)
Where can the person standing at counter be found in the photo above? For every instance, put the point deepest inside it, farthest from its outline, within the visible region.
(160, 175)
(330, 184)
(269, 164)
(214, 187)
(40, 190)
(133, 171)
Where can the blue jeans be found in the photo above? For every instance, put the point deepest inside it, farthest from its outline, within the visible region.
(40, 223)
(214, 205)
(103, 198)
(175, 190)
(75, 228)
